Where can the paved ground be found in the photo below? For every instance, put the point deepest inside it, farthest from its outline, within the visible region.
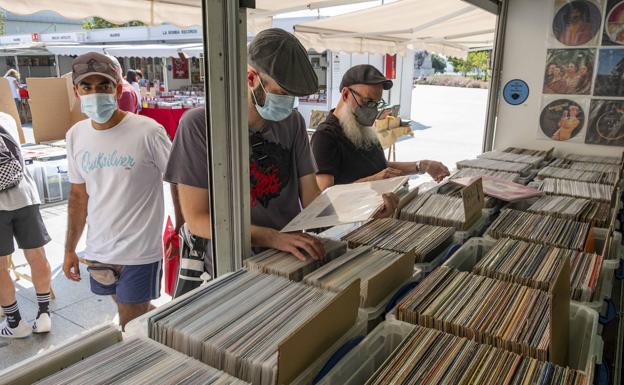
(449, 124)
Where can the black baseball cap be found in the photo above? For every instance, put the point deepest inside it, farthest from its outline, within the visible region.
(280, 55)
(364, 74)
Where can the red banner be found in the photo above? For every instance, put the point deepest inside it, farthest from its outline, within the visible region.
(391, 66)
(180, 68)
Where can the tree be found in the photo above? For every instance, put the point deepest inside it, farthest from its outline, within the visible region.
(98, 22)
(479, 61)
(459, 65)
(438, 63)
(2, 19)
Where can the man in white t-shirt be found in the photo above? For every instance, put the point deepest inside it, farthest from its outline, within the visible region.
(21, 220)
(116, 163)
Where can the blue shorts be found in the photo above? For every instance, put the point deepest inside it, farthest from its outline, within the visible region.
(137, 284)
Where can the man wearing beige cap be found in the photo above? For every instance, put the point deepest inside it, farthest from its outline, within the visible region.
(116, 162)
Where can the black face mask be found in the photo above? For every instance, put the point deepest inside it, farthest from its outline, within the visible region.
(365, 115)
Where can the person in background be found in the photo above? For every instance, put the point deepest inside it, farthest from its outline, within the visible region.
(116, 161)
(282, 169)
(139, 77)
(128, 100)
(20, 219)
(346, 147)
(14, 83)
(133, 79)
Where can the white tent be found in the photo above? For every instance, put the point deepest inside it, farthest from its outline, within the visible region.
(153, 50)
(451, 27)
(183, 13)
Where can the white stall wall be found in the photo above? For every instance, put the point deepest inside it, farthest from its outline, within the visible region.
(524, 58)
(175, 84)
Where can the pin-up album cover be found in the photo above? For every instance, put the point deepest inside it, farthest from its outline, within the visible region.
(569, 71)
(562, 119)
(606, 123)
(577, 22)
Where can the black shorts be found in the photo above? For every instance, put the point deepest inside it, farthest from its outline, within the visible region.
(26, 226)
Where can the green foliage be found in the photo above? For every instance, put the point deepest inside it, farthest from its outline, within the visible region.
(438, 63)
(2, 19)
(476, 62)
(98, 22)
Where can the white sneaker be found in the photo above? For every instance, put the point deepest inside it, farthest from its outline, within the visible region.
(22, 330)
(43, 324)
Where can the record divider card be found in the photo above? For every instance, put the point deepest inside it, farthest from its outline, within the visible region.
(384, 283)
(473, 198)
(560, 316)
(314, 337)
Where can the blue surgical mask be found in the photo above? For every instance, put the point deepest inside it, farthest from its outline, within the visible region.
(276, 107)
(99, 107)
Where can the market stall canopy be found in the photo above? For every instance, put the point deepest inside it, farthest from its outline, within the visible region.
(449, 27)
(183, 13)
(151, 50)
(76, 49)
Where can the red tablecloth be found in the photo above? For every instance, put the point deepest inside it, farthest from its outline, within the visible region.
(169, 118)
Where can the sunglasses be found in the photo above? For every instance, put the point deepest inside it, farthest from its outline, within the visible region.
(367, 103)
(92, 66)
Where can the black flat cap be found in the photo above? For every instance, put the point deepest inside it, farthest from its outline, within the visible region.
(364, 74)
(281, 56)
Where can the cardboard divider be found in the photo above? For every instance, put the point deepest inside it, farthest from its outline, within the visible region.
(473, 199)
(313, 338)
(384, 283)
(55, 108)
(590, 242)
(560, 316)
(7, 105)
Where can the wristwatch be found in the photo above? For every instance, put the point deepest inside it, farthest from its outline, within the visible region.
(419, 169)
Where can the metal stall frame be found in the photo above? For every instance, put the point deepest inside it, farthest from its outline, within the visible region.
(225, 44)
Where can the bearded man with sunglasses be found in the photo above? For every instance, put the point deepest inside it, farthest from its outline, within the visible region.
(345, 145)
(116, 162)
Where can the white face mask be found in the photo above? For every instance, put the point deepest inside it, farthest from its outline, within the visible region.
(276, 107)
(99, 107)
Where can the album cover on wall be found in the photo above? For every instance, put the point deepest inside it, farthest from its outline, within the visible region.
(577, 22)
(569, 71)
(610, 72)
(613, 31)
(562, 120)
(606, 123)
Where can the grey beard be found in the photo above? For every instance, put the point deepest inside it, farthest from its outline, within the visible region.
(362, 137)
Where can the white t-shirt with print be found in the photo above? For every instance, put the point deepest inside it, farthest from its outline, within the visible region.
(122, 168)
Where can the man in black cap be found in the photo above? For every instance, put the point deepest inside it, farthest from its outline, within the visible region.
(282, 169)
(345, 145)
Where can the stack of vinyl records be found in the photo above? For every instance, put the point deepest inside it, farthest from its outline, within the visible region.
(288, 266)
(497, 165)
(578, 175)
(423, 241)
(470, 172)
(576, 209)
(237, 323)
(437, 210)
(428, 356)
(511, 157)
(599, 167)
(537, 266)
(503, 314)
(594, 191)
(594, 159)
(363, 263)
(526, 151)
(542, 229)
(139, 361)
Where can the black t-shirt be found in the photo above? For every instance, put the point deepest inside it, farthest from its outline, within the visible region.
(336, 155)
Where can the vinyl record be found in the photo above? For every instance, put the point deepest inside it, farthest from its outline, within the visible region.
(606, 123)
(562, 119)
(576, 22)
(614, 23)
(569, 71)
